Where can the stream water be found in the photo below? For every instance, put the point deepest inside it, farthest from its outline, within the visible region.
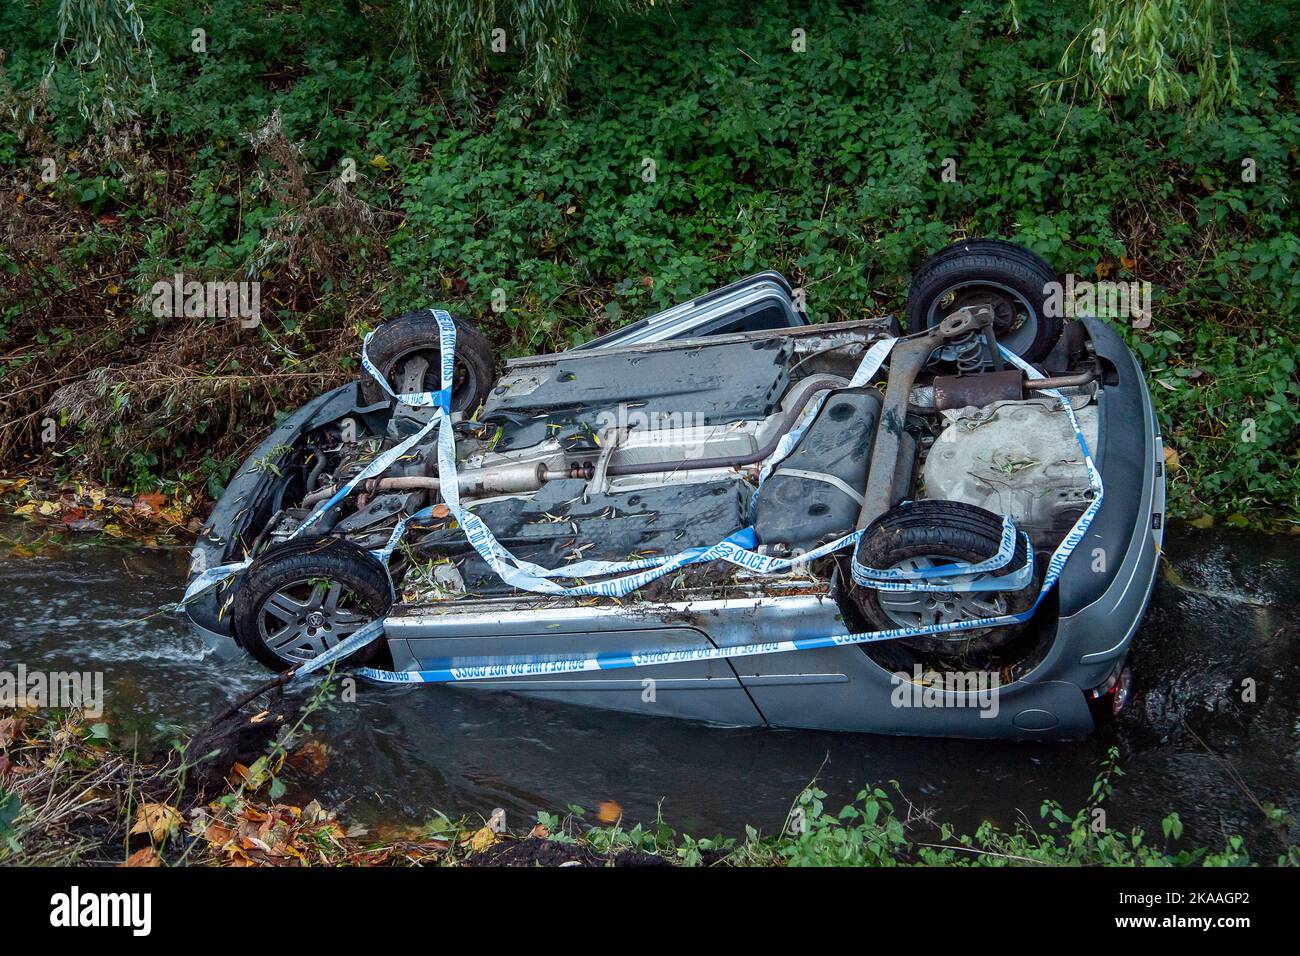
(1226, 611)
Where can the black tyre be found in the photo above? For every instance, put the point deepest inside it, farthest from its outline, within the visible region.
(407, 350)
(1008, 278)
(299, 600)
(924, 534)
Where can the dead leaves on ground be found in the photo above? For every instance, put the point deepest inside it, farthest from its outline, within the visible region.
(271, 835)
(84, 506)
(283, 835)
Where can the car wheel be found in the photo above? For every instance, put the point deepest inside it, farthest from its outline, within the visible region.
(407, 350)
(925, 534)
(298, 601)
(1008, 278)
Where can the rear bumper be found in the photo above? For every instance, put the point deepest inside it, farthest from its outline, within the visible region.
(1107, 584)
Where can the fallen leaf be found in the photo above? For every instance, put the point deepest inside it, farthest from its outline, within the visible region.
(539, 831)
(256, 776)
(11, 729)
(1204, 521)
(145, 856)
(483, 839)
(1171, 459)
(153, 501)
(218, 835)
(156, 819)
(312, 757)
(609, 812)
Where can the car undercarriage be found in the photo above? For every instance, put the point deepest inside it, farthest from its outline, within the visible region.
(885, 456)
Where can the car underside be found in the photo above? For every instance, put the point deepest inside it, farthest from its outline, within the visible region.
(730, 414)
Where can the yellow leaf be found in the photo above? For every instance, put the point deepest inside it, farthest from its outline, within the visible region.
(379, 162)
(1204, 521)
(483, 839)
(29, 508)
(1171, 459)
(48, 508)
(256, 775)
(156, 819)
(608, 812)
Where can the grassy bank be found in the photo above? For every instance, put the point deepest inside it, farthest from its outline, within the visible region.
(547, 227)
(69, 796)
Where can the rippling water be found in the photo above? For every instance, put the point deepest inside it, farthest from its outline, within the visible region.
(1225, 611)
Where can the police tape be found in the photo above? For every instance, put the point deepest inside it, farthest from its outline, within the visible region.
(737, 548)
(209, 578)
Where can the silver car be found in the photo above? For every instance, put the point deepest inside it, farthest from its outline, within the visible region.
(724, 512)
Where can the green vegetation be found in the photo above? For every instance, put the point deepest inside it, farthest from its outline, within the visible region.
(69, 796)
(1171, 49)
(694, 145)
(458, 40)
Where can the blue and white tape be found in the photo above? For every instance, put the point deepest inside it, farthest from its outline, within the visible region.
(736, 548)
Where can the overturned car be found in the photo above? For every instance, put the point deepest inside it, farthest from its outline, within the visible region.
(722, 512)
